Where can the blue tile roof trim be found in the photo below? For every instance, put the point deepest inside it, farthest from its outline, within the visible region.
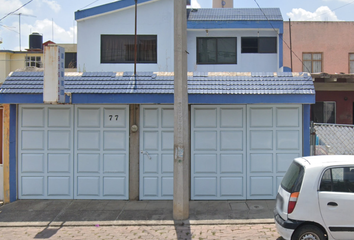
(163, 83)
(234, 14)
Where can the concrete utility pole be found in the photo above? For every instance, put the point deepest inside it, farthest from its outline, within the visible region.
(181, 176)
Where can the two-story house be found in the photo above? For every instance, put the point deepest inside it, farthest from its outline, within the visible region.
(113, 139)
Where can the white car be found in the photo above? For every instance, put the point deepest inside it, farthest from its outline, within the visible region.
(315, 200)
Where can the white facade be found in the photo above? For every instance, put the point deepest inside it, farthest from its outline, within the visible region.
(156, 18)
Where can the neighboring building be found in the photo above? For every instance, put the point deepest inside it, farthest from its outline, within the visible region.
(326, 50)
(32, 58)
(246, 126)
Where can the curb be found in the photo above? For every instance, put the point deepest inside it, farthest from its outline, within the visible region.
(136, 223)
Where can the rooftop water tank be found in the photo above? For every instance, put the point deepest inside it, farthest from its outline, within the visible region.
(35, 41)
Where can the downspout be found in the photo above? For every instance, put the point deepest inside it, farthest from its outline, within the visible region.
(135, 42)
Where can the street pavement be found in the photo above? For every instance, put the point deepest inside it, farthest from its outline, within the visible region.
(103, 219)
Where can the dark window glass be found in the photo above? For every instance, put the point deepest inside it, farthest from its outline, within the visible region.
(70, 60)
(324, 112)
(293, 178)
(338, 180)
(120, 48)
(216, 50)
(259, 45)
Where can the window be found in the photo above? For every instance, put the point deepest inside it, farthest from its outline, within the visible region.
(324, 112)
(216, 50)
(259, 45)
(120, 48)
(351, 62)
(33, 61)
(312, 62)
(292, 180)
(70, 60)
(339, 179)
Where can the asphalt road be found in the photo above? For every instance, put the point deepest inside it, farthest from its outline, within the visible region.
(166, 232)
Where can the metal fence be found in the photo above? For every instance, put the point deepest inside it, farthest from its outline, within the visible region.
(328, 139)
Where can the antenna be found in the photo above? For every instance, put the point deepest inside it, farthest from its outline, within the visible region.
(19, 24)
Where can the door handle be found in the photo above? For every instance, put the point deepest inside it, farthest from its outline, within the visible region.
(333, 204)
(147, 154)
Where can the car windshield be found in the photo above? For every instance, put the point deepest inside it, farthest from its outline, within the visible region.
(293, 178)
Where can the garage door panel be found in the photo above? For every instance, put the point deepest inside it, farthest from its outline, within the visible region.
(88, 186)
(59, 117)
(167, 187)
(205, 186)
(205, 117)
(59, 163)
(167, 118)
(231, 186)
(59, 140)
(151, 140)
(88, 140)
(284, 160)
(167, 163)
(231, 140)
(59, 186)
(288, 140)
(231, 163)
(32, 117)
(32, 140)
(151, 163)
(88, 117)
(261, 186)
(231, 118)
(114, 163)
(261, 140)
(261, 117)
(150, 186)
(150, 117)
(114, 118)
(114, 140)
(32, 163)
(167, 140)
(261, 163)
(288, 117)
(205, 163)
(88, 163)
(205, 140)
(114, 186)
(32, 186)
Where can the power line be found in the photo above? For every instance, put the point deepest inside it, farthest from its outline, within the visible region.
(16, 10)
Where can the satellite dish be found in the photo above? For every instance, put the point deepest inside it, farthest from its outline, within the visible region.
(223, 3)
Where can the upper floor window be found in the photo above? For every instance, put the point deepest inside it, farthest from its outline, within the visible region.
(70, 60)
(33, 61)
(351, 62)
(216, 50)
(258, 45)
(324, 112)
(312, 62)
(120, 48)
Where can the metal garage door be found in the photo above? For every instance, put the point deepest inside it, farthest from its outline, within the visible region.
(156, 155)
(218, 152)
(45, 159)
(240, 152)
(73, 152)
(274, 134)
(101, 152)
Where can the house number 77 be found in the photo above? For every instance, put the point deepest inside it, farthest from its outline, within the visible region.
(113, 117)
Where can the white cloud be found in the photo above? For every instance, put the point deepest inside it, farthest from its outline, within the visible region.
(194, 4)
(53, 5)
(7, 6)
(322, 13)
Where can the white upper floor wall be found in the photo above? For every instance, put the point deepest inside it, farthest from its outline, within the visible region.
(155, 18)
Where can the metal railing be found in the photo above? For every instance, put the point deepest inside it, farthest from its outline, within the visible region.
(330, 139)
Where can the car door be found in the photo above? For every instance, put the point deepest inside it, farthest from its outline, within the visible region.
(336, 201)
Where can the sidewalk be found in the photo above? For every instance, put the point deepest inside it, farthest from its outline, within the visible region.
(55, 213)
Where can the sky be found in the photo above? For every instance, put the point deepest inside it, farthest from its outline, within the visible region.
(54, 19)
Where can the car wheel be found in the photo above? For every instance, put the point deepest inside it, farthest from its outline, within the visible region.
(309, 232)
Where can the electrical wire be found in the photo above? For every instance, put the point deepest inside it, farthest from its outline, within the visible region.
(15, 10)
